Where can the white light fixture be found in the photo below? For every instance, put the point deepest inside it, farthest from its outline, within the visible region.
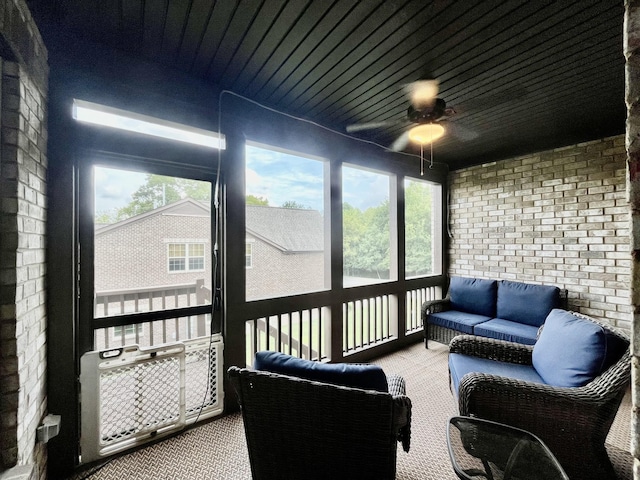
(134, 122)
(426, 133)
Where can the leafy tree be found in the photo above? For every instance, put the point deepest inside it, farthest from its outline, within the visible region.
(418, 241)
(294, 204)
(159, 190)
(106, 217)
(253, 200)
(366, 237)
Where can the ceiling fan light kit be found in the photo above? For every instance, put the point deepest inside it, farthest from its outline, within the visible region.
(426, 133)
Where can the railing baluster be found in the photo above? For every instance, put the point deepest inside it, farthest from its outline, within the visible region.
(361, 317)
(164, 331)
(290, 321)
(300, 337)
(279, 333)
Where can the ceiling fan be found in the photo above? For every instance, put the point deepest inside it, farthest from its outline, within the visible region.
(426, 111)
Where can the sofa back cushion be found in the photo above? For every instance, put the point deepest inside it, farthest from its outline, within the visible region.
(473, 295)
(364, 376)
(572, 351)
(525, 302)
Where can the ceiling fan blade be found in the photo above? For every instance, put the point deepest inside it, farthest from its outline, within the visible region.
(422, 93)
(357, 127)
(400, 143)
(461, 133)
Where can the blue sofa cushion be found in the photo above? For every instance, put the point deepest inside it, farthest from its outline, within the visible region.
(364, 376)
(507, 330)
(460, 365)
(460, 321)
(572, 351)
(526, 303)
(473, 295)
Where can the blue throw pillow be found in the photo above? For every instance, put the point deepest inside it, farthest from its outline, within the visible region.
(364, 376)
(572, 351)
(525, 302)
(473, 295)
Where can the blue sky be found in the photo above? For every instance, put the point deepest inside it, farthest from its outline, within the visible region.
(274, 175)
(281, 177)
(115, 187)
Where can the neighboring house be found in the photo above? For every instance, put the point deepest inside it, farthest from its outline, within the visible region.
(285, 251)
(171, 246)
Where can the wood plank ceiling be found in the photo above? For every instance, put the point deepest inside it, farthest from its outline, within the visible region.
(522, 75)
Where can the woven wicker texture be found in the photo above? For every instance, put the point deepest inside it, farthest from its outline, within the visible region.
(573, 422)
(218, 451)
(304, 429)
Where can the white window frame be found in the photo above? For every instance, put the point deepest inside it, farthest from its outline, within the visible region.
(187, 257)
(249, 256)
(129, 332)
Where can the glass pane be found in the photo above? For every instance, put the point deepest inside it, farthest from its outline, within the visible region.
(286, 226)
(152, 242)
(420, 230)
(366, 242)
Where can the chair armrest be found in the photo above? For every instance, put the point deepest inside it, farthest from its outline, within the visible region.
(401, 410)
(492, 349)
(491, 396)
(434, 306)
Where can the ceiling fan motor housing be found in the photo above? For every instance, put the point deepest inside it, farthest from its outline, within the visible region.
(427, 114)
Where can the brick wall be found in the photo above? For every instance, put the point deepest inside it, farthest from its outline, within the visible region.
(275, 274)
(558, 217)
(23, 167)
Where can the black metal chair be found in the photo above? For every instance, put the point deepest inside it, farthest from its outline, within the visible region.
(297, 428)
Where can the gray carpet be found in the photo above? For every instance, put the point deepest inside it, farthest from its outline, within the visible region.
(217, 450)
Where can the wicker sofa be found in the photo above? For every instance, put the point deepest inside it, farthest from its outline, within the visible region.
(304, 428)
(583, 368)
(505, 310)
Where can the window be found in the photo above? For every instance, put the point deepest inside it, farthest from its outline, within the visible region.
(186, 257)
(366, 215)
(151, 242)
(127, 331)
(286, 217)
(134, 122)
(422, 228)
(248, 255)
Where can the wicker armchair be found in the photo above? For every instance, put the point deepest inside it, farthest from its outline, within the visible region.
(298, 428)
(573, 422)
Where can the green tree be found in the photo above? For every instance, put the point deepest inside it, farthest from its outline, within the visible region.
(418, 241)
(253, 200)
(294, 204)
(159, 190)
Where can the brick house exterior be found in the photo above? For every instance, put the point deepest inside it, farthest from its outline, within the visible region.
(287, 249)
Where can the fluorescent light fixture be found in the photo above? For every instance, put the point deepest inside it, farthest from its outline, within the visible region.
(426, 133)
(134, 122)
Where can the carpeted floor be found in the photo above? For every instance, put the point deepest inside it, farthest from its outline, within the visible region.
(217, 450)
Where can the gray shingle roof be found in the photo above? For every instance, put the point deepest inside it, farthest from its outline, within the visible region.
(289, 229)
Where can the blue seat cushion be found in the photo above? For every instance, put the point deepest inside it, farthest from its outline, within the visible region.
(460, 365)
(507, 330)
(461, 321)
(525, 302)
(572, 351)
(364, 376)
(473, 295)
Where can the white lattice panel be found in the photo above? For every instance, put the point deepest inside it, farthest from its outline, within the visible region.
(130, 395)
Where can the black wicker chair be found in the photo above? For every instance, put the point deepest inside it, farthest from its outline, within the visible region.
(572, 422)
(298, 428)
